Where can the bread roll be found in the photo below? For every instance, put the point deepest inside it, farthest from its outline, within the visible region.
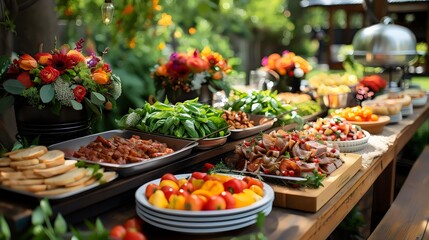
(51, 155)
(67, 177)
(53, 171)
(29, 153)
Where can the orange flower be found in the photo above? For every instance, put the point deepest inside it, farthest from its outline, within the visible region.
(100, 76)
(192, 30)
(166, 20)
(161, 71)
(272, 59)
(128, 9)
(27, 62)
(76, 56)
(49, 74)
(44, 58)
(217, 76)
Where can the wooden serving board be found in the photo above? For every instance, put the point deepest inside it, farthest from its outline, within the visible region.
(312, 200)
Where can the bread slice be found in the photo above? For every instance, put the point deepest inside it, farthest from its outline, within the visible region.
(7, 169)
(88, 176)
(23, 168)
(54, 163)
(108, 176)
(12, 152)
(12, 175)
(20, 182)
(30, 188)
(58, 191)
(67, 177)
(57, 170)
(29, 153)
(29, 174)
(28, 162)
(51, 155)
(4, 161)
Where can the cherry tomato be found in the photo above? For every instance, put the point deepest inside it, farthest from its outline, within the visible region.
(183, 192)
(229, 199)
(169, 176)
(132, 235)
(215, 202)
(198, 175)
(150, 189)
(169, 183)
(133, 224)
(168, 191)
(207, 167)
(118, 231)
(194, 203)
(188, 187)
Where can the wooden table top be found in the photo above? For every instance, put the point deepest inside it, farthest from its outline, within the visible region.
(118, 202)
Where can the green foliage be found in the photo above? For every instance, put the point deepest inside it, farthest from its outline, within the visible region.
(4, 229)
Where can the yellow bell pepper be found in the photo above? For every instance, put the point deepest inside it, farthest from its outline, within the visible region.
(197, 183)
(243, 199)
(257, 189)
(158, 199)
(204, 193)
(182, 181)
(222, 178)
(176, 202)
(213, 186)
(252, 194)
(169, 183)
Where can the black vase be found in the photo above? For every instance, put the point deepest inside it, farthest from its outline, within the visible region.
(49, 127)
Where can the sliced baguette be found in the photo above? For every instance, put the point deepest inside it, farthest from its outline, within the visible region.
(7, 169)
(29, 174)
(12, 152)
(57, 170)
(20, 182)
(108, 176)
(55, 163)
(28, 162)
(51, 155)
(88, 175)
(30, 188)
(12, 175)
(58, 191)
(22, 168)
(4, 161)
(67, 177)
(29, 153)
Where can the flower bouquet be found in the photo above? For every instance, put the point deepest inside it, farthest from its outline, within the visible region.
(288, 69)
(187, 74)
(63, 78)
(57, 95)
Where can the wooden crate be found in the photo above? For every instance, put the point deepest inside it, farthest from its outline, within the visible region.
(312, 200)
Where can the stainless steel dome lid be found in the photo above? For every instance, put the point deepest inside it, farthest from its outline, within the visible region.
(384, 44)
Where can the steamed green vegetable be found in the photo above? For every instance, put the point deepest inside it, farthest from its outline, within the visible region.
(189, 119)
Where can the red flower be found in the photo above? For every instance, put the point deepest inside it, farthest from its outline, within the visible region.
(25, 79)
(79, 92)
(59, 62)
(49, 74)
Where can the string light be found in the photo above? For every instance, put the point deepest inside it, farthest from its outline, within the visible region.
(107, 11)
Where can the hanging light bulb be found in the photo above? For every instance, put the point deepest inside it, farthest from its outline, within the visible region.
(107, 11)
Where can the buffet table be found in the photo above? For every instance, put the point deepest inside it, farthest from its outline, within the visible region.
(115, 202)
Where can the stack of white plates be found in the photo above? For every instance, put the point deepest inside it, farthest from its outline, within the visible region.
(201, 221)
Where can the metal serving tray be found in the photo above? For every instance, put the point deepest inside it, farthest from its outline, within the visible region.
(180, 147)
(259, 127)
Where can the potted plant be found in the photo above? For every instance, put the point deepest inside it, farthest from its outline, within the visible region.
(188, 75)
(57, 92)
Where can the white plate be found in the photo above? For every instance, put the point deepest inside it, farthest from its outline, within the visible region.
(141, 199)
(202, 218)
(183, 227)
(211, 223)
